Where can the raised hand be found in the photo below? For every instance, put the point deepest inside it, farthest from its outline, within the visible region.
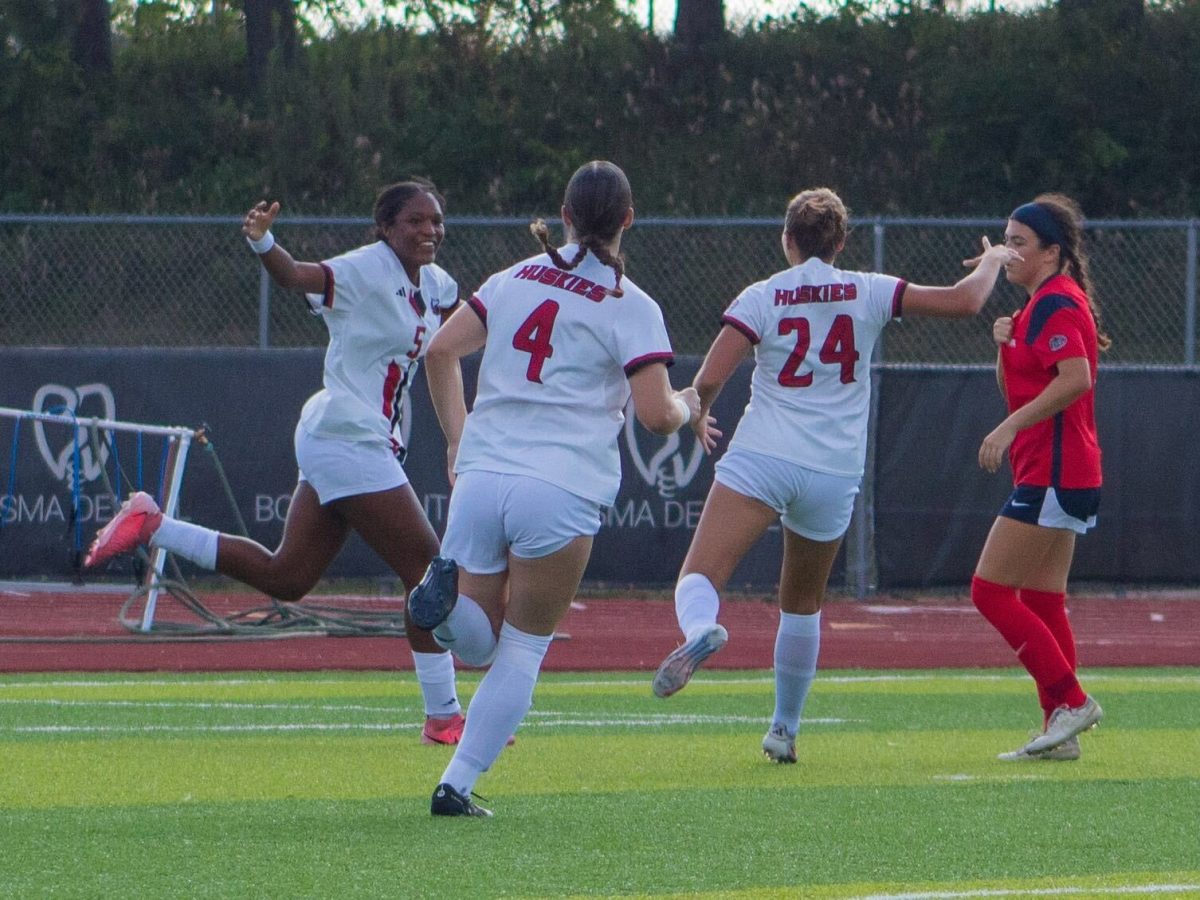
(259, 219)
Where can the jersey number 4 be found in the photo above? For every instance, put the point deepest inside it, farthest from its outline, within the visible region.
(838, 349)
(533, 337)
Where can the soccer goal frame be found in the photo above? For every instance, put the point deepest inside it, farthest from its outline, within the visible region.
(179, 440)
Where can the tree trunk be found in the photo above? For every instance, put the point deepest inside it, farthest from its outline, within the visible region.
(270, 25)
(91, 43)
(699, 22)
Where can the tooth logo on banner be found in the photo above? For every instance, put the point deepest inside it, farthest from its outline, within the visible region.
(86, 401)
(667, 469)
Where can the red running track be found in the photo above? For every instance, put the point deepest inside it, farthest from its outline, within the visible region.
(47, 630)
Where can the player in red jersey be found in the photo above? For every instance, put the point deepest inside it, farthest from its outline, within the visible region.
(1047, 373)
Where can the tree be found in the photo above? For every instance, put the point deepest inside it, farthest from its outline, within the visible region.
(91, 44)
(699, 22)
(82, 26)
(270, 26)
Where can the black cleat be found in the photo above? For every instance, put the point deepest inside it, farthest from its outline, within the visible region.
(431, 601)
(449, 802)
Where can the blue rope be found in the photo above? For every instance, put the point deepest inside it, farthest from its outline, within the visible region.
(162, 469)
(12, 468)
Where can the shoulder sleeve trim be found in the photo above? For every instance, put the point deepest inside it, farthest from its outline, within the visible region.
(665, 357)
(479, 309)
(740, 326)
(327, 299)
(898, 299)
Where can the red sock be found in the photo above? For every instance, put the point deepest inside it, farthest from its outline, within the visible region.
(1035, 646)
(1051, 608)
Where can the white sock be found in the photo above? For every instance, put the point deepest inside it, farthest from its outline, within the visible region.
(467, 632)
(797, 644)
(504, 696)
(696, 604)
(435, 673)
(193, 542)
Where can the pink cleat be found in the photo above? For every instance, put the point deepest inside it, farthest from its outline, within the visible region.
(136, 520)
(444, 730)
(448, 730)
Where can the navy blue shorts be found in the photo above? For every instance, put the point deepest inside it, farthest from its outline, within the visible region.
(1053, 507)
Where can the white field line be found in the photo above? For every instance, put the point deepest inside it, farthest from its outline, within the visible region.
(405, 678)
(200, 704)
(1133, 889)
(552, 720)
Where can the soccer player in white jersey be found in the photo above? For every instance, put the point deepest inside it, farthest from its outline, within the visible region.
(381, 302)
(567, 340)
(798, 452)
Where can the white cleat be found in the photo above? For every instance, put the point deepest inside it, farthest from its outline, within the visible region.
(678, 668)
(1065, 723)
(1068, 750)
(779, 745)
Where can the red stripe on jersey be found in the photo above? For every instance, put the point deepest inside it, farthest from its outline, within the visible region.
(327, 300)
(391, 384)
(898, 300)
(742, 327)
(667, 359)
(479, 309)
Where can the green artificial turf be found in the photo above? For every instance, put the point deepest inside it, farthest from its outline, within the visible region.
(315, 785)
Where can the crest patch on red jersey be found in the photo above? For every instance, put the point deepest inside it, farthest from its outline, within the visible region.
(1057, 342)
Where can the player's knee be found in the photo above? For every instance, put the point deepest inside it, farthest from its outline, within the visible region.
(292, 587)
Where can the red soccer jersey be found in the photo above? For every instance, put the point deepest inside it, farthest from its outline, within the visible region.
(1056, 324)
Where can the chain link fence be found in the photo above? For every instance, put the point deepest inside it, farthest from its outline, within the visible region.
(184, 281)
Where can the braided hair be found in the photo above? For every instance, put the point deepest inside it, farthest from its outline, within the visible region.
(598, 199)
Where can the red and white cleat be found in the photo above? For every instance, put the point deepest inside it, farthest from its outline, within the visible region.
(136, 520)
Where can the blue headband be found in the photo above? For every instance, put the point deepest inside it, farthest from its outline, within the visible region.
(1044, 225)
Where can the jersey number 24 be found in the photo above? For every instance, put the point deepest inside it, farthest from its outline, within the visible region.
(837, 349)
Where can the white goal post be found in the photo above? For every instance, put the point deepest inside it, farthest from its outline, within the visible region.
(179, 440)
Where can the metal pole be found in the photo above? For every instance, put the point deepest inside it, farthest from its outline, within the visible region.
(861, 554)
(264, 309)
(158, 556)
(1189, 312)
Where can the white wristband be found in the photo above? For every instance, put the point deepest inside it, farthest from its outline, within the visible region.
(263, 244)
(685, 409)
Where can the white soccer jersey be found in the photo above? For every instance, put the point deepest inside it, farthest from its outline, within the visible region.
(553, 381)
(813, 328)
(379, 326)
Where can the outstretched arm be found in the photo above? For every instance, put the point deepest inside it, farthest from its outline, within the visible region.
(967, 296)
(284, 271)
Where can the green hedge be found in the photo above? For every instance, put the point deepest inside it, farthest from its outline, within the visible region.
(917, 113)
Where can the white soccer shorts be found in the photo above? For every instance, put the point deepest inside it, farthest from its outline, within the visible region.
(815, 505)
(492, 514)
(338, 468)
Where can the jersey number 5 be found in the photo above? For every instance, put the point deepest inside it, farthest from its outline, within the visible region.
(533, 337)
(838, 349)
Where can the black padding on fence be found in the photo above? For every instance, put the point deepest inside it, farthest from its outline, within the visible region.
(932, 505)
